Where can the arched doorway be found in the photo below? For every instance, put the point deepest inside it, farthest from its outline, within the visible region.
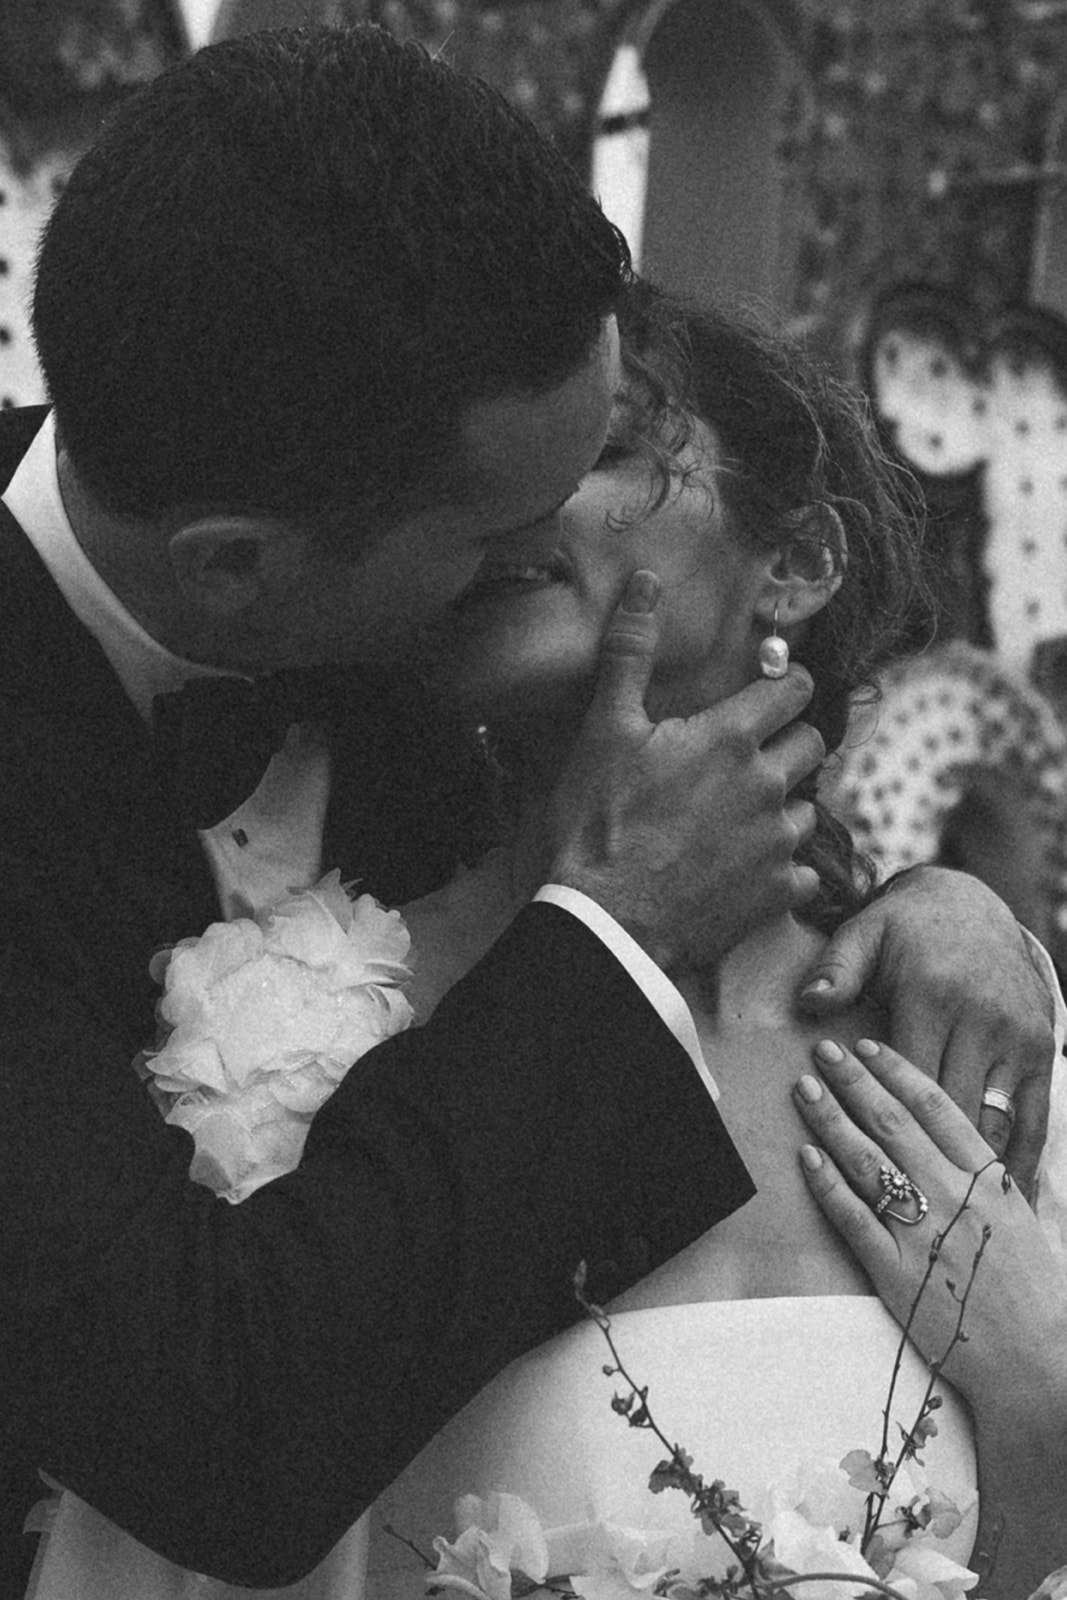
(687, 160)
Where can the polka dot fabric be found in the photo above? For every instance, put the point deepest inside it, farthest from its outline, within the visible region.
(958, 398)
(944, 718)
(25, 201)
(934, 408)
(1026, 504)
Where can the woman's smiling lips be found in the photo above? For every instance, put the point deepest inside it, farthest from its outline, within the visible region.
(499, 579)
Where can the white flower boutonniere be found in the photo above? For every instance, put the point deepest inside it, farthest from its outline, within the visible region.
(266, 1017)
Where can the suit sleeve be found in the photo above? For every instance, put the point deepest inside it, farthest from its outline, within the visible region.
(233, 1385)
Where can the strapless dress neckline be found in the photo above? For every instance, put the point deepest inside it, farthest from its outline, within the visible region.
(750, 1388)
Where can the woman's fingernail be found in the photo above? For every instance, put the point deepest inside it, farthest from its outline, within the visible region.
(810, 1157)
(827, 1050)
(809, 1088)
(866, 1047)
(817, 986)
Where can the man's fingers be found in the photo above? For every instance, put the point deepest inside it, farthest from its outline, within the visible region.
(981, 1054)
(843, 969)
(627, 652)
(767, 705)
(995, 1127)
(919, 1027)
(763, 709)
(1026, 1138)
(803, 818)
(799, 751)
(967, 1056)
(805, 885)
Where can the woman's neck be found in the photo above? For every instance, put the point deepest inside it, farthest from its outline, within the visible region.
(756, 1044)
(755, 983)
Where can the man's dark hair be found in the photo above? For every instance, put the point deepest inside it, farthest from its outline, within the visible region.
(291, 264)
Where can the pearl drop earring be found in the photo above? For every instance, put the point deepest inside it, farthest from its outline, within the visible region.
(773, 652)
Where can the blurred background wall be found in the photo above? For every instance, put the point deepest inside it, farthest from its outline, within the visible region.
(886, 177)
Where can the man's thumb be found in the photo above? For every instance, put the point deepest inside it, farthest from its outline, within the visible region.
(628, 649)
(842, 971)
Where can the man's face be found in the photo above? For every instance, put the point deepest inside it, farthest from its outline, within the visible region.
(524, 457)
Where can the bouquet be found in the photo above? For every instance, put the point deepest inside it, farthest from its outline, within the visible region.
(870, 1524)
(263, 1017)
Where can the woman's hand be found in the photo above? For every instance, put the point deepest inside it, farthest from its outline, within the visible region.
(882, 1112)
(947, 960)
(954, 1244)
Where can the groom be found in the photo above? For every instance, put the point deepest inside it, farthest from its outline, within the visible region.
(325, 327)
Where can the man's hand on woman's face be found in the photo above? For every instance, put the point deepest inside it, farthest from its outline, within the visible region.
(966, 1002)
(683, 830)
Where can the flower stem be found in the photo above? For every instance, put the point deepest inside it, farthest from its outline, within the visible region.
(692, 1484)
(783, 1585)
(876, 1502)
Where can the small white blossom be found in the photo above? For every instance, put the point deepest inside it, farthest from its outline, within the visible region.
(803, 1546)
(497, 1536)
(607, 1562)
(922, 1572)
(819, 1489)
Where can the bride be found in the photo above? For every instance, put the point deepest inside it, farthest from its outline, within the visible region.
(764, 510)
(749, 484)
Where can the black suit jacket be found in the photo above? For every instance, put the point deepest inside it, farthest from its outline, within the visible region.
(234, 1384)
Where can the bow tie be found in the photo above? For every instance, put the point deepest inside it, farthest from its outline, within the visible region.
(413, 794)
(216, 736)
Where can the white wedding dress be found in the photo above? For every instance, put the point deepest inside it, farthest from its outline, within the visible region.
(750, 1387)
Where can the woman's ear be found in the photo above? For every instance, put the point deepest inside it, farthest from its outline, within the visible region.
(807, 566)
(226, 562)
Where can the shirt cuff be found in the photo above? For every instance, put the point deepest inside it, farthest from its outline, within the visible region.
(654, 984)
(1044, 964)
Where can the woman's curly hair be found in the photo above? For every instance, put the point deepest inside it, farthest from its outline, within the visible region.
(792, 437)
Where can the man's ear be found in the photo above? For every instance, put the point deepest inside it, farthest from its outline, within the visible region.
(225, 562)
(807, 567)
